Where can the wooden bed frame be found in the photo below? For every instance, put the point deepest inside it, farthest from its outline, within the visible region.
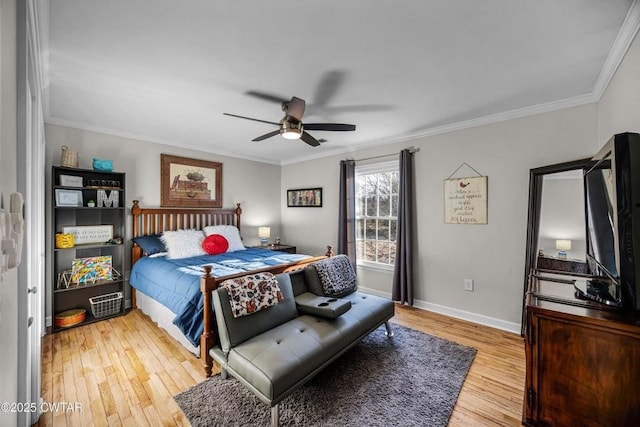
(156, 220)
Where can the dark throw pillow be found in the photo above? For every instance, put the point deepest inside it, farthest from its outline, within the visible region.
(150, 244)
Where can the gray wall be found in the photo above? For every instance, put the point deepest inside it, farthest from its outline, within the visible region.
(256, 186)
(8, 184)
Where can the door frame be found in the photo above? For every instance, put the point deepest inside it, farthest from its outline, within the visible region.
(31, 183)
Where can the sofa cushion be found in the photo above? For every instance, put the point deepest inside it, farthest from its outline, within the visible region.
(233, 331)
(332, 276)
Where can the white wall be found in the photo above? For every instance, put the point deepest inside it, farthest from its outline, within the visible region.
(493, 254)
(8, 184)
(619, 107)
(562, 216)
(256, 186)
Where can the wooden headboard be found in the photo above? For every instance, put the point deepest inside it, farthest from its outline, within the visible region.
(156, 220)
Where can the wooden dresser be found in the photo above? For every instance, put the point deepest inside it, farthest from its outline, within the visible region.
(583, 360)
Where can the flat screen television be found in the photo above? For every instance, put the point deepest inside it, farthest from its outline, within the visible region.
(612, 212)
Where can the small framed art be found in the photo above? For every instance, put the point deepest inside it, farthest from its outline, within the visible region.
(71, 198)
(304, 198)
(465, 200)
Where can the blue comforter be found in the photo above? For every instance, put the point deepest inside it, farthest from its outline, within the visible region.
(175, 283)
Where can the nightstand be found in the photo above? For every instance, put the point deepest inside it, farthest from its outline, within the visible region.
(280, 248)
(562, 264)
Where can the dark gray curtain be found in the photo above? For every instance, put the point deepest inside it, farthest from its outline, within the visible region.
(402, 289)
(347, 211)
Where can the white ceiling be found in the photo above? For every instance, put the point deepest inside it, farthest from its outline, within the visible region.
(166, 70)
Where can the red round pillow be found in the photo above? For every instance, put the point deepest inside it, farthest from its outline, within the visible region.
(215, 244)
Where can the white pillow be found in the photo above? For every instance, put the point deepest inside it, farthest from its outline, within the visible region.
(230, 232)
(183, 243)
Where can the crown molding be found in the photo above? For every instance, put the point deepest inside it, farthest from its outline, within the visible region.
(397, 139)
(457, 126)
(145, 138)
(625, 37)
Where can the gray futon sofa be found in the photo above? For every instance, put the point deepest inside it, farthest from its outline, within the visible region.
(278, 349)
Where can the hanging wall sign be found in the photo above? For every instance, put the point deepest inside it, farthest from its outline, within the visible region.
(465, 200)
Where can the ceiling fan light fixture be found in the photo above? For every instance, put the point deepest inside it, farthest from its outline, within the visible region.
(291, 134)
(290, 129)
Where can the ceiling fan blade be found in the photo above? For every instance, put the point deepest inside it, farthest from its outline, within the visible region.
(267, 135)
(329, 85)
(250, 118)
(309, 139)
(267, 96)
(342, 127)
(295, 108)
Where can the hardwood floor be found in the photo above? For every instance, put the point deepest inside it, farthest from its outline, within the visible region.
(125, 371)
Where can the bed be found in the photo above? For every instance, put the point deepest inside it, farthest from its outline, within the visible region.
(176, 294)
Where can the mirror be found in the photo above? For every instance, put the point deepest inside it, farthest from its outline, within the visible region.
(561, 230)
(556, 213)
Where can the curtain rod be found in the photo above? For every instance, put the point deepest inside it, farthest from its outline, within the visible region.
(411, 150)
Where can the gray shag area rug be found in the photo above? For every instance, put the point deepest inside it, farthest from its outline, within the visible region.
(412, 379)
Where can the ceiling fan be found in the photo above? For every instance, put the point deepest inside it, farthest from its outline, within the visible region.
(291, 126)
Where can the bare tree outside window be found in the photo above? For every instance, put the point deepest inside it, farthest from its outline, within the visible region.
(376, 216)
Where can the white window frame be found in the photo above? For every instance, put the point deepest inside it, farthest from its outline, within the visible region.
(367, 169)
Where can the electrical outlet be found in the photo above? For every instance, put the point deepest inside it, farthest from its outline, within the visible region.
(468, 284)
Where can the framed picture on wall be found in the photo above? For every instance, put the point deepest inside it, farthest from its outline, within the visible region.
(190, 182)
(304, 198)
(71, 198)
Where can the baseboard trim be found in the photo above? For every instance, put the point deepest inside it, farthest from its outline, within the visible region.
(454, 312)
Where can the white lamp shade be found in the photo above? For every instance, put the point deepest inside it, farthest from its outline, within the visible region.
(563, 245)
(264, 232)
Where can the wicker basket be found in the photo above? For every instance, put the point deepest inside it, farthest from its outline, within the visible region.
(106, 305)
(70, 317)
(69, 158)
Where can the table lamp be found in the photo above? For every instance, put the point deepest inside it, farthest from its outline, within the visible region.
(264, 233)
(563, 246)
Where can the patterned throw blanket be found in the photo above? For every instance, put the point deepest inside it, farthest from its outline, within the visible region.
(337, 276)
(251, 293)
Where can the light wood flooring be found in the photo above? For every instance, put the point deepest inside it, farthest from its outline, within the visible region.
(126, 370)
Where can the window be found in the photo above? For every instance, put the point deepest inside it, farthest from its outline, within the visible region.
(376, 213)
